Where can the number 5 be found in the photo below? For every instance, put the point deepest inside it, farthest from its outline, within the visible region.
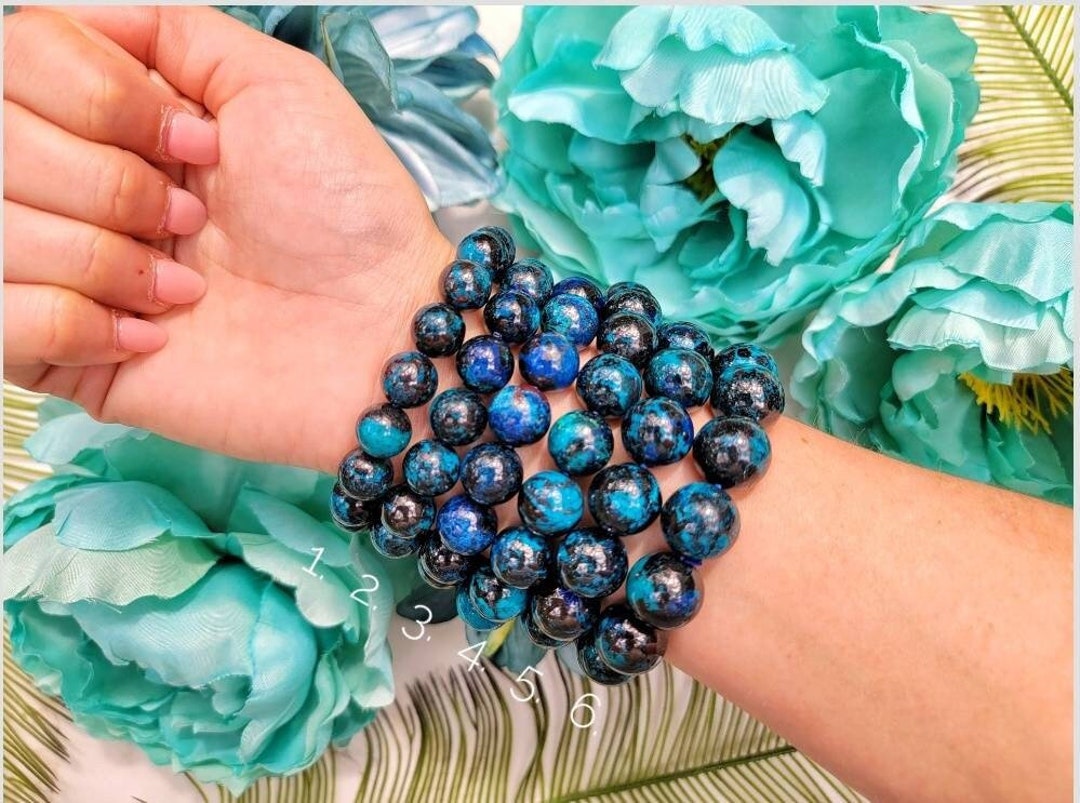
(527, 683)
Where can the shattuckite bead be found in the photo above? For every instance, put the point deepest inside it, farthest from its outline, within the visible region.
(626, 644)
(535, 634)
(640, 300)
(583, 288)
(561, 614)
(657, 432)
(431, 468)
(490, 246)
(469, 613)
(550, 503)
(512, 316)
(520, 557)
(591, 563)
(744, 355)
(549, 360)
(572, 316)
(383, 430)
(593, 666)
(580, 443)
(441, 566)
(458, 416)
(700, 521)
(349, 513)
(491, 473)
(681, 375)
(409, 379)
(494, 599)
(748, 392)
(609, 385)
(624, 498)
(531, 277)
(365, 477)
(466, 285)
(519, 415)
(664, 590)
(684, 335)
(391, 544)
(730, 451)
(629, 335)
(406, 513)
(438, 330)
(485, 363)
(466, 526)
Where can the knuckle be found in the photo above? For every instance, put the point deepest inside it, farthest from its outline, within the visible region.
(121, 195)
(108, 95)
(62, 331)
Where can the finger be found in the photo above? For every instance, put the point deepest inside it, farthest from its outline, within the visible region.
(96, 93)
(115, 270)
(52, 169)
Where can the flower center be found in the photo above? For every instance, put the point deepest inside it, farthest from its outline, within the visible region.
(1031, 401)
(702, 182)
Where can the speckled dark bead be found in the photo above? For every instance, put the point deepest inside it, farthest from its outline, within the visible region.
(365, 477)
(750, 392)
(406, 513)
(609, 385)
(442, 567)
(383, 430)
(431, 468)
(730, 451)
(512, 316)
(348, 513)
(466, 526)
(494, 599)
(657, 432)
(561, 614)
(681, 375)
(389, 543)
(466, 285)
(519, 415)
(409, 379)
(664, 590)
(583, 288)
(438, 330)
(591, 563)
(490, 246)
(485, 364)
(520, 557)
(619, 288)
(580, 443)
(629, 335)
(535, 634)
(491, 473)
(593, 666)
(458, 416)
(469, 613)
(638, 299)
(700, 521)
(531, 277)
(624, 498)
(744, 355)
(684, 335)
(549, 361)
(571, 316)
(626, 644)
(550, 503)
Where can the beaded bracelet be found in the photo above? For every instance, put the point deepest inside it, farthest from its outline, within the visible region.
(550, 573)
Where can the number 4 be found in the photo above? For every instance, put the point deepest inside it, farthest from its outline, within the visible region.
(473, 660)
(527, 683)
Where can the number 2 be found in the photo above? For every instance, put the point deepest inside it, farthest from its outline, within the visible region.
(369, 590)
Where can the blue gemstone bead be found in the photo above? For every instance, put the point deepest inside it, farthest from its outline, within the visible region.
(458, 416)
(561, 614)
(624, 499)
(657, 432)
(745, 355)
(531, 277)
(629, 335)
(431, 468)
(383, 430)
(392, 545)
(512, 316)
(571, 316)
(638, 299)
(466, 526)
(438, 330)
(519, 415)
(485, 364)
(580, 443)
(409, 379)
(583, 288)
(348, 513)
(700, 521)
(535, 634)
(490, 246)
(591, 563)
(593, 666)
(681, 375)
(684, 335)
(442, 567)
(520, 557)
(748, 393)
(491, 473)
(609, 385)
(406, 513)
(494, 599)
(626, 644)
(466, 285)
(365, 477)
(664, 590)
(549, 361)
(470, 615)
(731, 451)
(550, 503)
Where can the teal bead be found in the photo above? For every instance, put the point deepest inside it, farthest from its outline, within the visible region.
(744, 355)
(580, 443)
(732, 451)
(484, 364)
(383, 430)
(520, 557)
(664, 590)
(490, 246)
(583, 288)
(348, 513)
(609, 385)
(571, 316)
(700, 521)
(493, 599)
(549, 361)
(365, 477)
(593, 666)
(431, 468)
(748, 392)
(466, 285)
(624, 499)
(681, 375)
(550, 503)
(591, 563)
(657, 432)
(626, 644)
(438, 330)
(392, 545)
(409, 379)
(469, 613)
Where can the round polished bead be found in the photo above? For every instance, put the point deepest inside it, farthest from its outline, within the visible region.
(664, 590)
(485, 364)
(491, 247)
(389, 543)
(383, 430)
(535, 634)
(466, 285)
(730, 451)
(593, 666)
(609, 385)
(700, 521)
(580, 443)
(749, 393)
(431, 468)
(495, 600)
(406, 513)
(637, 300)
(512, 316)
(491, 473)
(441, 566)
(409, 379)
(458, 416)
(591, 563)
(561, 614)
(520, 557)
(365, 477)
(684, 335)
(469, 613)
(681, 375)
(466, 526)
(624, 499)
(519, 415)
(550, 503)
(549, 361)
(744, 355)
(571, 316)
(531, 277)
(629, 335)
(348, 512)
(657, 432)
(583, 288)
(438, 330)
(626, 644)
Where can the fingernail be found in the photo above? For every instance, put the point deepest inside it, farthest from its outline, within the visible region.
(191, 140)
(175, 283)
(184, 214)
(135, 334)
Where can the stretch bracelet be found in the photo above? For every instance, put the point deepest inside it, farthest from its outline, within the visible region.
(550, 572)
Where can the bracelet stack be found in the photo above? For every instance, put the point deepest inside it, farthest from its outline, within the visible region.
(550, 572)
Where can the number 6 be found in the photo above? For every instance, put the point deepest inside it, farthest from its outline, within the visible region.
(527, 683)
(582, 704)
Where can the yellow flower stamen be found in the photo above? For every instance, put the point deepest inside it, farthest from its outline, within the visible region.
(702, 181)
(1031, 401)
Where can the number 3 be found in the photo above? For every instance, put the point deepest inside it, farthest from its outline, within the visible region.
(421, 622)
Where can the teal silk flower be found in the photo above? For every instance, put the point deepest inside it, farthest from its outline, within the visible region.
(200, 607)
(743, 162)
(409, 68)
(959, 359)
